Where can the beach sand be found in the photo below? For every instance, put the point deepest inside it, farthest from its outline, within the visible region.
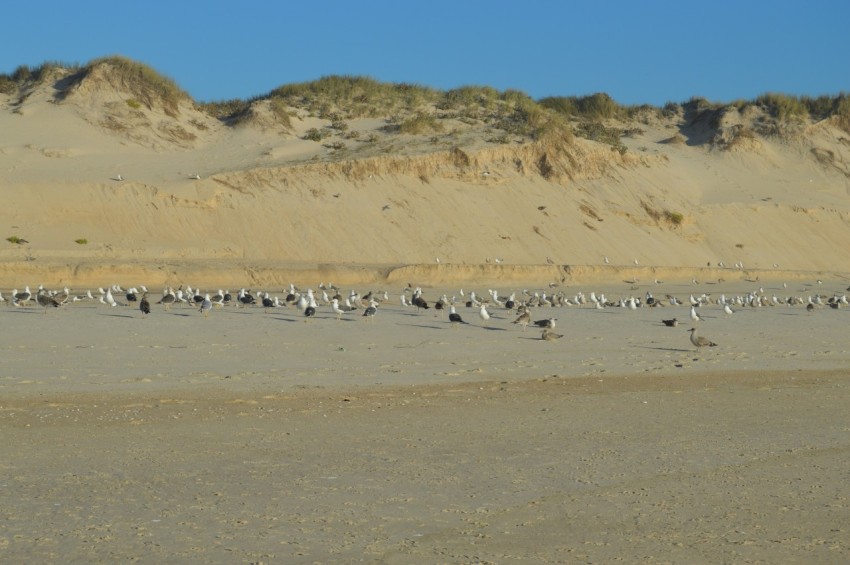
(259, 437)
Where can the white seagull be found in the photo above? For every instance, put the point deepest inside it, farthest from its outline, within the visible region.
(484, 314)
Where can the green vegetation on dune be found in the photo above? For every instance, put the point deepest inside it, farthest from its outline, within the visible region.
(417, 109)
(147, 84)
(354, 96)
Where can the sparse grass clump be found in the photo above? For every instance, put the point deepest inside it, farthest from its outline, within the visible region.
(420, 123)
(354, 96)
(595, 107)
(15, 239)
(133, 103)
(596, 131)
(469, 99)
(280, 111)
(147, 85)
(339, 125)
(315, 134)
(25, 74)
(782, 106)
(675, 218)
(81, 241)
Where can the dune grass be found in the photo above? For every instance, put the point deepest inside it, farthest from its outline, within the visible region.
(421, 110)
(148, 86)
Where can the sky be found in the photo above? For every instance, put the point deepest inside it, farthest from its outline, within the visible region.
(638, 52)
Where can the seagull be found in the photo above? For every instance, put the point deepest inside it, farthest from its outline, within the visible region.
(168, 298)
(119, 178)
(484, 314)
(671, 323)
(206, 305)
(547, 323)
(370, 311)
(523, 319)
(549, 335)
(728, 309)
(340, 309)
(694, 316)
(218, 298)
(46, 301)
(699, 341)
(196, 176)
(110, 300)
(21, 298)
(144, 305)
(454, 317)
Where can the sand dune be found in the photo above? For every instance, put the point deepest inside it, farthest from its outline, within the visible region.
(270, 197)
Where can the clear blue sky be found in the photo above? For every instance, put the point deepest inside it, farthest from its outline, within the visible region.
(639, 51)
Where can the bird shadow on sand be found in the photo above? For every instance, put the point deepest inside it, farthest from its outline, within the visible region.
(422, 326)
(493, 329)
(120, 315)
(279, 319)
(674, 349)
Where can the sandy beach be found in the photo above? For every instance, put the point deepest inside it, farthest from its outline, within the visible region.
(260, 437)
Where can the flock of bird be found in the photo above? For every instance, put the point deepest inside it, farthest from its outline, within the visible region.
(525, 305)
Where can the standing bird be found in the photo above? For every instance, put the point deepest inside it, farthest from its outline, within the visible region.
(484, 314)
(523, 320)
(21, 298)
(206, 305)
(728, 309)
(144, 305)
(694, 316)
(699, 341)
(340, 309)
(370, 311)
(46, 301)
(454, 317)
(168, 298)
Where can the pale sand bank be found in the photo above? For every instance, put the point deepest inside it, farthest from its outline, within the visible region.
(259, 437)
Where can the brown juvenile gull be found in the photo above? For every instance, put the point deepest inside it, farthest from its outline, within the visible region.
(144, 305)
(699, 341)
(523, 319)
(549, 335)
(46, 301)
